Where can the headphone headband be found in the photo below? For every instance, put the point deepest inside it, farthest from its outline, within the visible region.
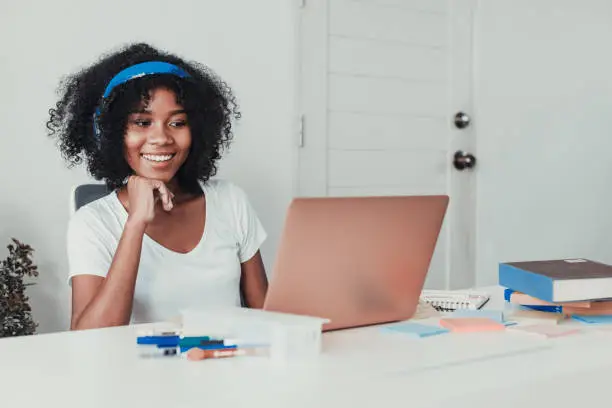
(138, 71)
(143, 69)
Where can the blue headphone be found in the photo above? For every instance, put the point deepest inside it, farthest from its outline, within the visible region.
(133, 72)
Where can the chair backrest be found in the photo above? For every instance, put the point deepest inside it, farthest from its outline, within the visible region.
(86, 193)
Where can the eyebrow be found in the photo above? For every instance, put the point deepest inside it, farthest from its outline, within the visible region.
(144, 110)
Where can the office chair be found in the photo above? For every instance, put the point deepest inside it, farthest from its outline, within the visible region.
(86, 193)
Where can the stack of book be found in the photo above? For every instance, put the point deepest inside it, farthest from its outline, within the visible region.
(567, 287)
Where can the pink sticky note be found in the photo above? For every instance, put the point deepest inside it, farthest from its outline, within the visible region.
(471, 324)
(548, 330)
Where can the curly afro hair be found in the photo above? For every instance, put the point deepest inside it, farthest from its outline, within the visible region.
(208, 101)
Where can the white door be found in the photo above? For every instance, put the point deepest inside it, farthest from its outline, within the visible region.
(544, 126)
(380, 84)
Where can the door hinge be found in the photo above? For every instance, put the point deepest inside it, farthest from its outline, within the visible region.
(301, 131)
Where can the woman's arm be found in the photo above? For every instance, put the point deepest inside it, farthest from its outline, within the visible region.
(254, 282)
(101, 302)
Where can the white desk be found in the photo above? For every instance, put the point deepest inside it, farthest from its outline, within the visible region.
(358, 368)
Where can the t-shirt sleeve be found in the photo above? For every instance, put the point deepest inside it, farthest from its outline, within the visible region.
(251, 233)
(87, 245)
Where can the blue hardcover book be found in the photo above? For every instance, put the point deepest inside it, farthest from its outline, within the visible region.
(563, 280)
(541, 308)
(508, 293)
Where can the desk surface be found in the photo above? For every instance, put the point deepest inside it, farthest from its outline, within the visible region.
(358, 367)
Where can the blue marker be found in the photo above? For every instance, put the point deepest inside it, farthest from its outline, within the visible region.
(158, 340)
(200, 340)
(175, 340)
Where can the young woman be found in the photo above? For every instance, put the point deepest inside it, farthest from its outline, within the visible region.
(168, 237)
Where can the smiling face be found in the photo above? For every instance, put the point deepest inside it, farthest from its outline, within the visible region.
(157, 137)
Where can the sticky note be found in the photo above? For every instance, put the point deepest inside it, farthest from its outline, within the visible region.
(597, 319)
(496, 315)
(415, 329)
(471, 324)
(547, 331)
(537, 316)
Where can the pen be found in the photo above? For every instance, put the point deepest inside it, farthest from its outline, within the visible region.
(196, 353)
(203, 341)
(183, 344)
(158, 340)
(197, 341)
(175, 340)
(184, 348)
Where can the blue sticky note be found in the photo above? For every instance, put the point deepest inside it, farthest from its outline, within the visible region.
(496, 315)
(600, 319)
(415, 329)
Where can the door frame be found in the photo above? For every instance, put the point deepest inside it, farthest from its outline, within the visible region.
(312, 141)
(312, 62)
(461, 259)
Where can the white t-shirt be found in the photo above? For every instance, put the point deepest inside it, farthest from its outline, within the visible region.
(168, 281)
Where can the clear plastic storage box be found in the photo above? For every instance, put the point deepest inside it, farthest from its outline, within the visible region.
(287, 335)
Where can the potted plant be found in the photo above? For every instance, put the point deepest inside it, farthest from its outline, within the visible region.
(15, 311)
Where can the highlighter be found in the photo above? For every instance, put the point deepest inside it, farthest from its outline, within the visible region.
(196, 354)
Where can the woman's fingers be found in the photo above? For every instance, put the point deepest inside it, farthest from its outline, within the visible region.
(165, 194)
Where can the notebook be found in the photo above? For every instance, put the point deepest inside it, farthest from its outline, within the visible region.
(424, 311)
(414, 329)
(451, 300)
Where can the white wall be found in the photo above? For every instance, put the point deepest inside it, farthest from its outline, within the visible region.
(543, 94)
(249, 43)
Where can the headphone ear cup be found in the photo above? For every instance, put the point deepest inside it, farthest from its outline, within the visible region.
(96, 128)
(94, 123)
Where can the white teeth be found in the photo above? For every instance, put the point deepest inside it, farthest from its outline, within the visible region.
(157, 157)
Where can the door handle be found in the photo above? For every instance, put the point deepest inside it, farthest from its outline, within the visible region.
(462, 120)
(463, 160)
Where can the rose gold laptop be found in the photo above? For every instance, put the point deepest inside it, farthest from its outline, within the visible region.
(355, 260)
